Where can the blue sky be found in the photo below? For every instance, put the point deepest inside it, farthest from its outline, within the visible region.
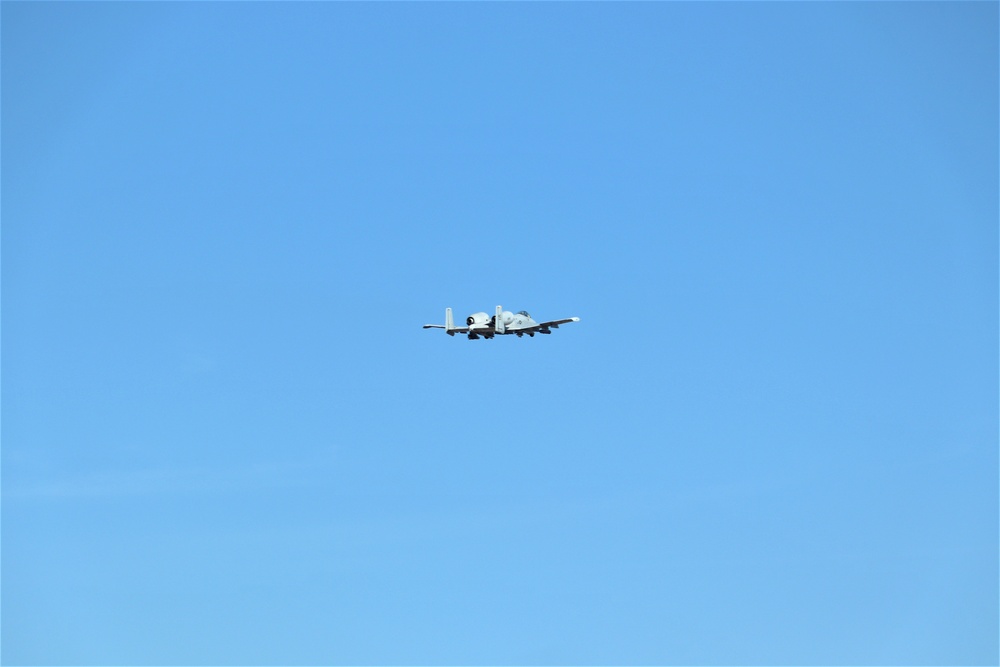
(771, 439)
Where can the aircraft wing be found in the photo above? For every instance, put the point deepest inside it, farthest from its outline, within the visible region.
(545, 326)
(554, 324)
(460, 330)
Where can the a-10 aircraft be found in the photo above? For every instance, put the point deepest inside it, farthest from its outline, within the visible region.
(504, 323)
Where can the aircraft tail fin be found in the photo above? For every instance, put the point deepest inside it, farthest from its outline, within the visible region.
(449, 321)
(498, 321)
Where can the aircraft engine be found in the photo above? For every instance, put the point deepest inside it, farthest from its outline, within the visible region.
(477, 318)
(508, 318)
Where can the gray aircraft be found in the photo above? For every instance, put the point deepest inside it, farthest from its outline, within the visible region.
(503, 323)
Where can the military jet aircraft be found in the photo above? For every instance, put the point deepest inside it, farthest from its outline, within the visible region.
(504, 323)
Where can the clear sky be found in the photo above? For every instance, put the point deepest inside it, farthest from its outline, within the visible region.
(771, 439)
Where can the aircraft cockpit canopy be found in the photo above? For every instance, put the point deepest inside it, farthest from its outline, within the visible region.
(525, 313)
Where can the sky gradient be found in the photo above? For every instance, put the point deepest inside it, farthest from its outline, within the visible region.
(772, 438)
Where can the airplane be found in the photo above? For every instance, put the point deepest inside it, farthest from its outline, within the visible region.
(504, 323)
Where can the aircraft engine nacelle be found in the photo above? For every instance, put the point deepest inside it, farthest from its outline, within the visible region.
(506, 317)
(477, 319)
